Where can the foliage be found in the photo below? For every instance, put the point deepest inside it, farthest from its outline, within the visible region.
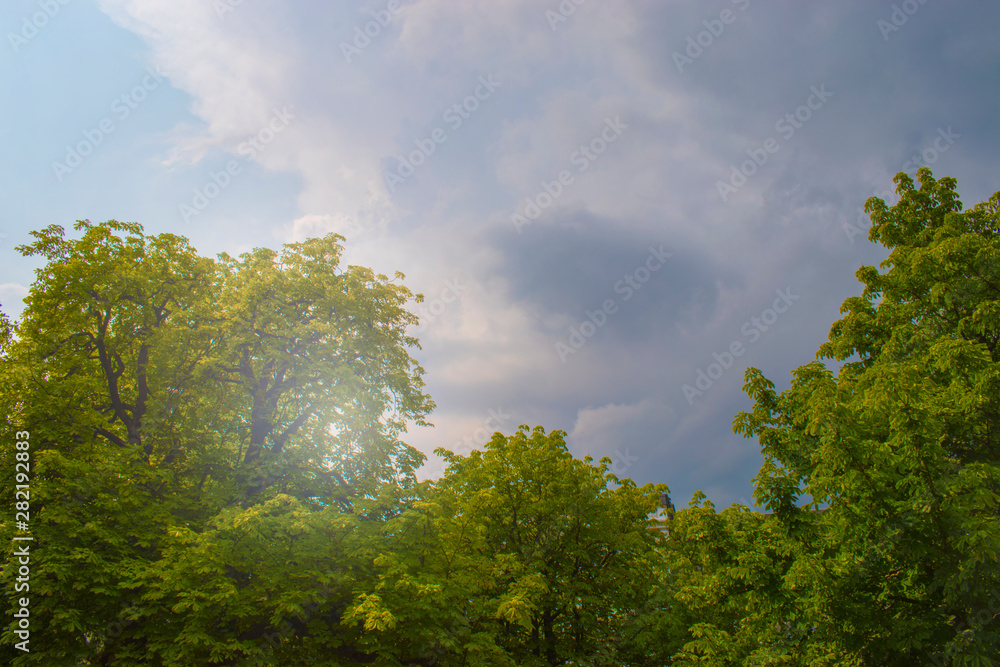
(217, 477)
(519, 555)
(172, 401)
(901, 449)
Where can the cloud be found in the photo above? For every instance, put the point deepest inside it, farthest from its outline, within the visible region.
(233, 71)
(656, 183)
(11, 297)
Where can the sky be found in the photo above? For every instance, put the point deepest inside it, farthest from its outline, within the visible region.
(611, 207)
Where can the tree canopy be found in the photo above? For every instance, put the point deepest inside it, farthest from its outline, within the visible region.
(217, 476)
(176, 402)
(902, 450)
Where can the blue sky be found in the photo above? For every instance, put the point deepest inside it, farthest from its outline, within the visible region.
(602, 201)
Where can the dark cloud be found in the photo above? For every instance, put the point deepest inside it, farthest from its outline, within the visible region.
(893, 95)
(573, 262)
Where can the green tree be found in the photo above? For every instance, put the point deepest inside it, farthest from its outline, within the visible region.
(902, 446)
(736, 582)
(519, 555)
(177, 405)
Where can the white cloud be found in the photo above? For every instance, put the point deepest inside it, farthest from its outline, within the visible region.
(234, 73)
(601, 431)
(11, 295)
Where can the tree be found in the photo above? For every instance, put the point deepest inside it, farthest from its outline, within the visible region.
(519, 555)
(216, 477)
(172, 401)
(735, 577)
(903, 449)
